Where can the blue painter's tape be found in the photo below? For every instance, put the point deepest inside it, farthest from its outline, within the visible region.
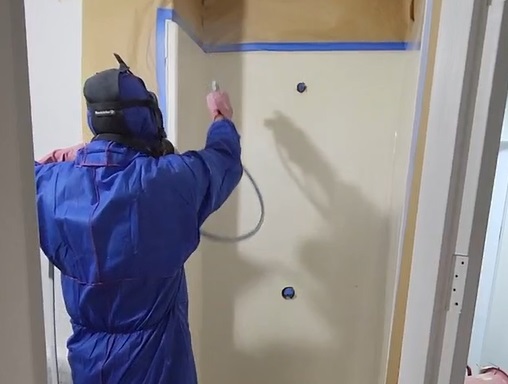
(170, 14)
(307, 47)
(164, 15)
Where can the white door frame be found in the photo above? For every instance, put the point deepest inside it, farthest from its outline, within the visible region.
(22, 346)
(485, 141)
(462, 144)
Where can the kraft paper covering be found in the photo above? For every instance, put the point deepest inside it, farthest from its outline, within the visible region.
(415, 10)
(191, 11)
(233, 21)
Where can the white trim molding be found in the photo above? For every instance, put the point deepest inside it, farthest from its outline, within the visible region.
(456, 73)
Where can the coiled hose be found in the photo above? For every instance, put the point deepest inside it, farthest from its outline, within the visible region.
(252, 232)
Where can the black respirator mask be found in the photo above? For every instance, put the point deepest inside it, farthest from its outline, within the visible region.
(102, 97)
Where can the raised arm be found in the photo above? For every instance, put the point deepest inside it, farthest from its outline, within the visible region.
(216, 170)
(211, 174)
(44, 182)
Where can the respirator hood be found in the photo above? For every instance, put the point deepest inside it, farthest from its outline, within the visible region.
(121, 109)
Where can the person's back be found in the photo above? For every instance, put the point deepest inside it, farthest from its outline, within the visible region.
(120, 224)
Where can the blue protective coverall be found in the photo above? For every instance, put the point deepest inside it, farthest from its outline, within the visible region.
(119, 225)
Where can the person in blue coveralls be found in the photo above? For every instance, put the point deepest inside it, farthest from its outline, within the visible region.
(119, 217)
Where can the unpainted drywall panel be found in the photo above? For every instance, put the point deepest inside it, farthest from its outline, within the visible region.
(324, 162)
(233, 21)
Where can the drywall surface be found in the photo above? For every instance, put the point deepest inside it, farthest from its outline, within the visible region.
(54, 58)
(324, 160)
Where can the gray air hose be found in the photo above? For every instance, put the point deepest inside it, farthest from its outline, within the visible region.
(253, 231)
(257, 227)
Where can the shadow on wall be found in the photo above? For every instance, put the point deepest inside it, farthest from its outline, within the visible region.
(347, 260)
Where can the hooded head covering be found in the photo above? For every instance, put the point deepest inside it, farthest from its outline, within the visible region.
(120, 108)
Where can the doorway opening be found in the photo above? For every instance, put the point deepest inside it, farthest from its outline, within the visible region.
(489, 339)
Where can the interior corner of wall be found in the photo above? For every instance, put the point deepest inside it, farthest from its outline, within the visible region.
(399, 318)
(416, 13)
(191, 13)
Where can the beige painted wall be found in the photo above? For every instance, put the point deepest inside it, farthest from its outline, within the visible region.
(325, 163)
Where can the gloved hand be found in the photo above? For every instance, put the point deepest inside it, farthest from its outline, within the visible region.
(65, 154)
(219, 105)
